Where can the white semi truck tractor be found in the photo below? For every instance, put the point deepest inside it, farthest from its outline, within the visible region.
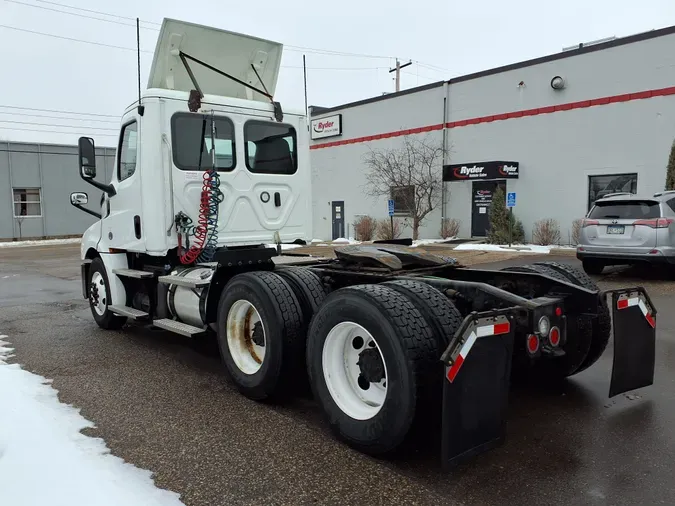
(210, 169)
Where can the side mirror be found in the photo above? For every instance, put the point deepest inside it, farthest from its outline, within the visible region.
(87, 155)
(79, 198)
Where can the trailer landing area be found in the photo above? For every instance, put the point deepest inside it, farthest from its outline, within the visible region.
(163, 404)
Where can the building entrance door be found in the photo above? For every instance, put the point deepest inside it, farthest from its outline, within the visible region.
(338, 219)
(482, 192)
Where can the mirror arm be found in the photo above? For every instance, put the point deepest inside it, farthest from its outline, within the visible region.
(108, 188)
(88, 211)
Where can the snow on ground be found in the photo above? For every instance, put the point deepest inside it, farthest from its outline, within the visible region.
(45, 460)
(342, 240)
(285, 246)
(515, 248)
(46, 242)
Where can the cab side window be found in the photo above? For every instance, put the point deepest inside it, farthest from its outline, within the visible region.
(126, 165)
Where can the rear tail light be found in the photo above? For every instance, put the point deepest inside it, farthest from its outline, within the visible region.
(532, 344)
(654, 223)
(588, 223)
(554, 337)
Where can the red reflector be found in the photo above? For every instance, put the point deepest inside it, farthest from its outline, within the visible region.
(454, 369)
(651, 320)
(502, 328)
(622, 304)
(654, 252)
(532, 343)
(554, 336)
(558, 311)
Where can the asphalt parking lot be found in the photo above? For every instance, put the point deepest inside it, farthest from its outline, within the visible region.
(164, 404)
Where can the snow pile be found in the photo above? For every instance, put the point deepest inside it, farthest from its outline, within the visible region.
(285, 246)
(45, 460)
(46, 242)
(423, 242)
(515, 248)
(342, 240)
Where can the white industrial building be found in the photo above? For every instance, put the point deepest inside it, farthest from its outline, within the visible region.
(559, 131)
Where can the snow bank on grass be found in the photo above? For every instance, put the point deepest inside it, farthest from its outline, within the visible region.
(46, 242)
(516, 248)
(45, 460)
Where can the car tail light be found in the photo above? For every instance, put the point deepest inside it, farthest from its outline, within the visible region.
(588, 223)
(654, 223)
(554, 336)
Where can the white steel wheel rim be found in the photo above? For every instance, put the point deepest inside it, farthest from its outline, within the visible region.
(341, 350)
(242, 320)
(101, 303)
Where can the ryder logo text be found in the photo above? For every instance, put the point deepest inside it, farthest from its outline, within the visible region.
(465, 172)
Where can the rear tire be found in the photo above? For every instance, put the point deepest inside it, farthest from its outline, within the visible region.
(593, 266)
(338, 342)
(603, 327)
(260, 334)
(99, 297)
(579, 339)
(307, 287)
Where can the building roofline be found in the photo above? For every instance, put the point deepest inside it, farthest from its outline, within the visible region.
(621, 41)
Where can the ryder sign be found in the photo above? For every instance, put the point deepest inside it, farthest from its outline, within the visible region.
(481, 170)
(329, 126)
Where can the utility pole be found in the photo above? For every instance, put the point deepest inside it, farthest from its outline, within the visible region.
(397, 69)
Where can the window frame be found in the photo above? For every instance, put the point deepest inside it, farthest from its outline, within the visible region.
(119, 149)
(407, 212)
(589, 203)
(207, 136)
(294, 151)
(15, 202)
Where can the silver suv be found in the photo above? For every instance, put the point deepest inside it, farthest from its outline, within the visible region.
(622, 228)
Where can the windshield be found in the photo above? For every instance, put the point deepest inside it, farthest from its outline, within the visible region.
(632, 210)
(192, 139)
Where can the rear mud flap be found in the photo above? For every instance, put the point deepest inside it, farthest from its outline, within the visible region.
(634, 323)
(476, 386)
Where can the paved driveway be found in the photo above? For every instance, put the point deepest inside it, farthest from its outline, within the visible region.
(164, 404)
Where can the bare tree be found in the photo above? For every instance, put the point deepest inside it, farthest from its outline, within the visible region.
(410, 175)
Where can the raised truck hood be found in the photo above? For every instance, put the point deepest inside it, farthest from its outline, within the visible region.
(230, 52)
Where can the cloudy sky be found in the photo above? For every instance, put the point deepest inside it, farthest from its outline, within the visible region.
(78, 56)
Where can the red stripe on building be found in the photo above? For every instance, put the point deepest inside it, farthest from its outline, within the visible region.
(627, 97)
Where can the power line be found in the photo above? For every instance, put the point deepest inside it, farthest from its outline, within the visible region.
(56, 125)
(95, 12)
(51, 132)
(78, 15)
(60, 111)
(290, 47)
(23, 114)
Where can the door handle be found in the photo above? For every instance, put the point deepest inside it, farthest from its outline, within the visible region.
(277, 199)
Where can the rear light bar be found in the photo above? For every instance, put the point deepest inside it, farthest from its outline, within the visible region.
(588, 223)
(655, 222)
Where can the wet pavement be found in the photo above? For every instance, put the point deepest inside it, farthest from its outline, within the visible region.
(164, 404)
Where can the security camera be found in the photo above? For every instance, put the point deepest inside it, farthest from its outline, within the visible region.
(558, 83)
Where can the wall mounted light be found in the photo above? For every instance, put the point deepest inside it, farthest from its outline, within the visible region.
(558, 83)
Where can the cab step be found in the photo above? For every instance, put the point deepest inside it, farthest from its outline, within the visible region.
(129, 312)
(132, 273)
(179, 327)
(183, 281)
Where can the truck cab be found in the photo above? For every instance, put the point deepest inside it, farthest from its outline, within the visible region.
(192, 119)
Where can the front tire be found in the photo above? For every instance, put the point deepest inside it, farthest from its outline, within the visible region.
(99, 297)
(371, 358)
(260, 334)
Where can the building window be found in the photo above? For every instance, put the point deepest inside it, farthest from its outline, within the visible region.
(271, 148)
(27, 202)
(404, 200)
(600, 186)
(126, 163)
(192, 142)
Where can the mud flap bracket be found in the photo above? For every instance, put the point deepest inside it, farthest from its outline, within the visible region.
(634, 325)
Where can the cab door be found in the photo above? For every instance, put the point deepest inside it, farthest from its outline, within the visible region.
(123, 225)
